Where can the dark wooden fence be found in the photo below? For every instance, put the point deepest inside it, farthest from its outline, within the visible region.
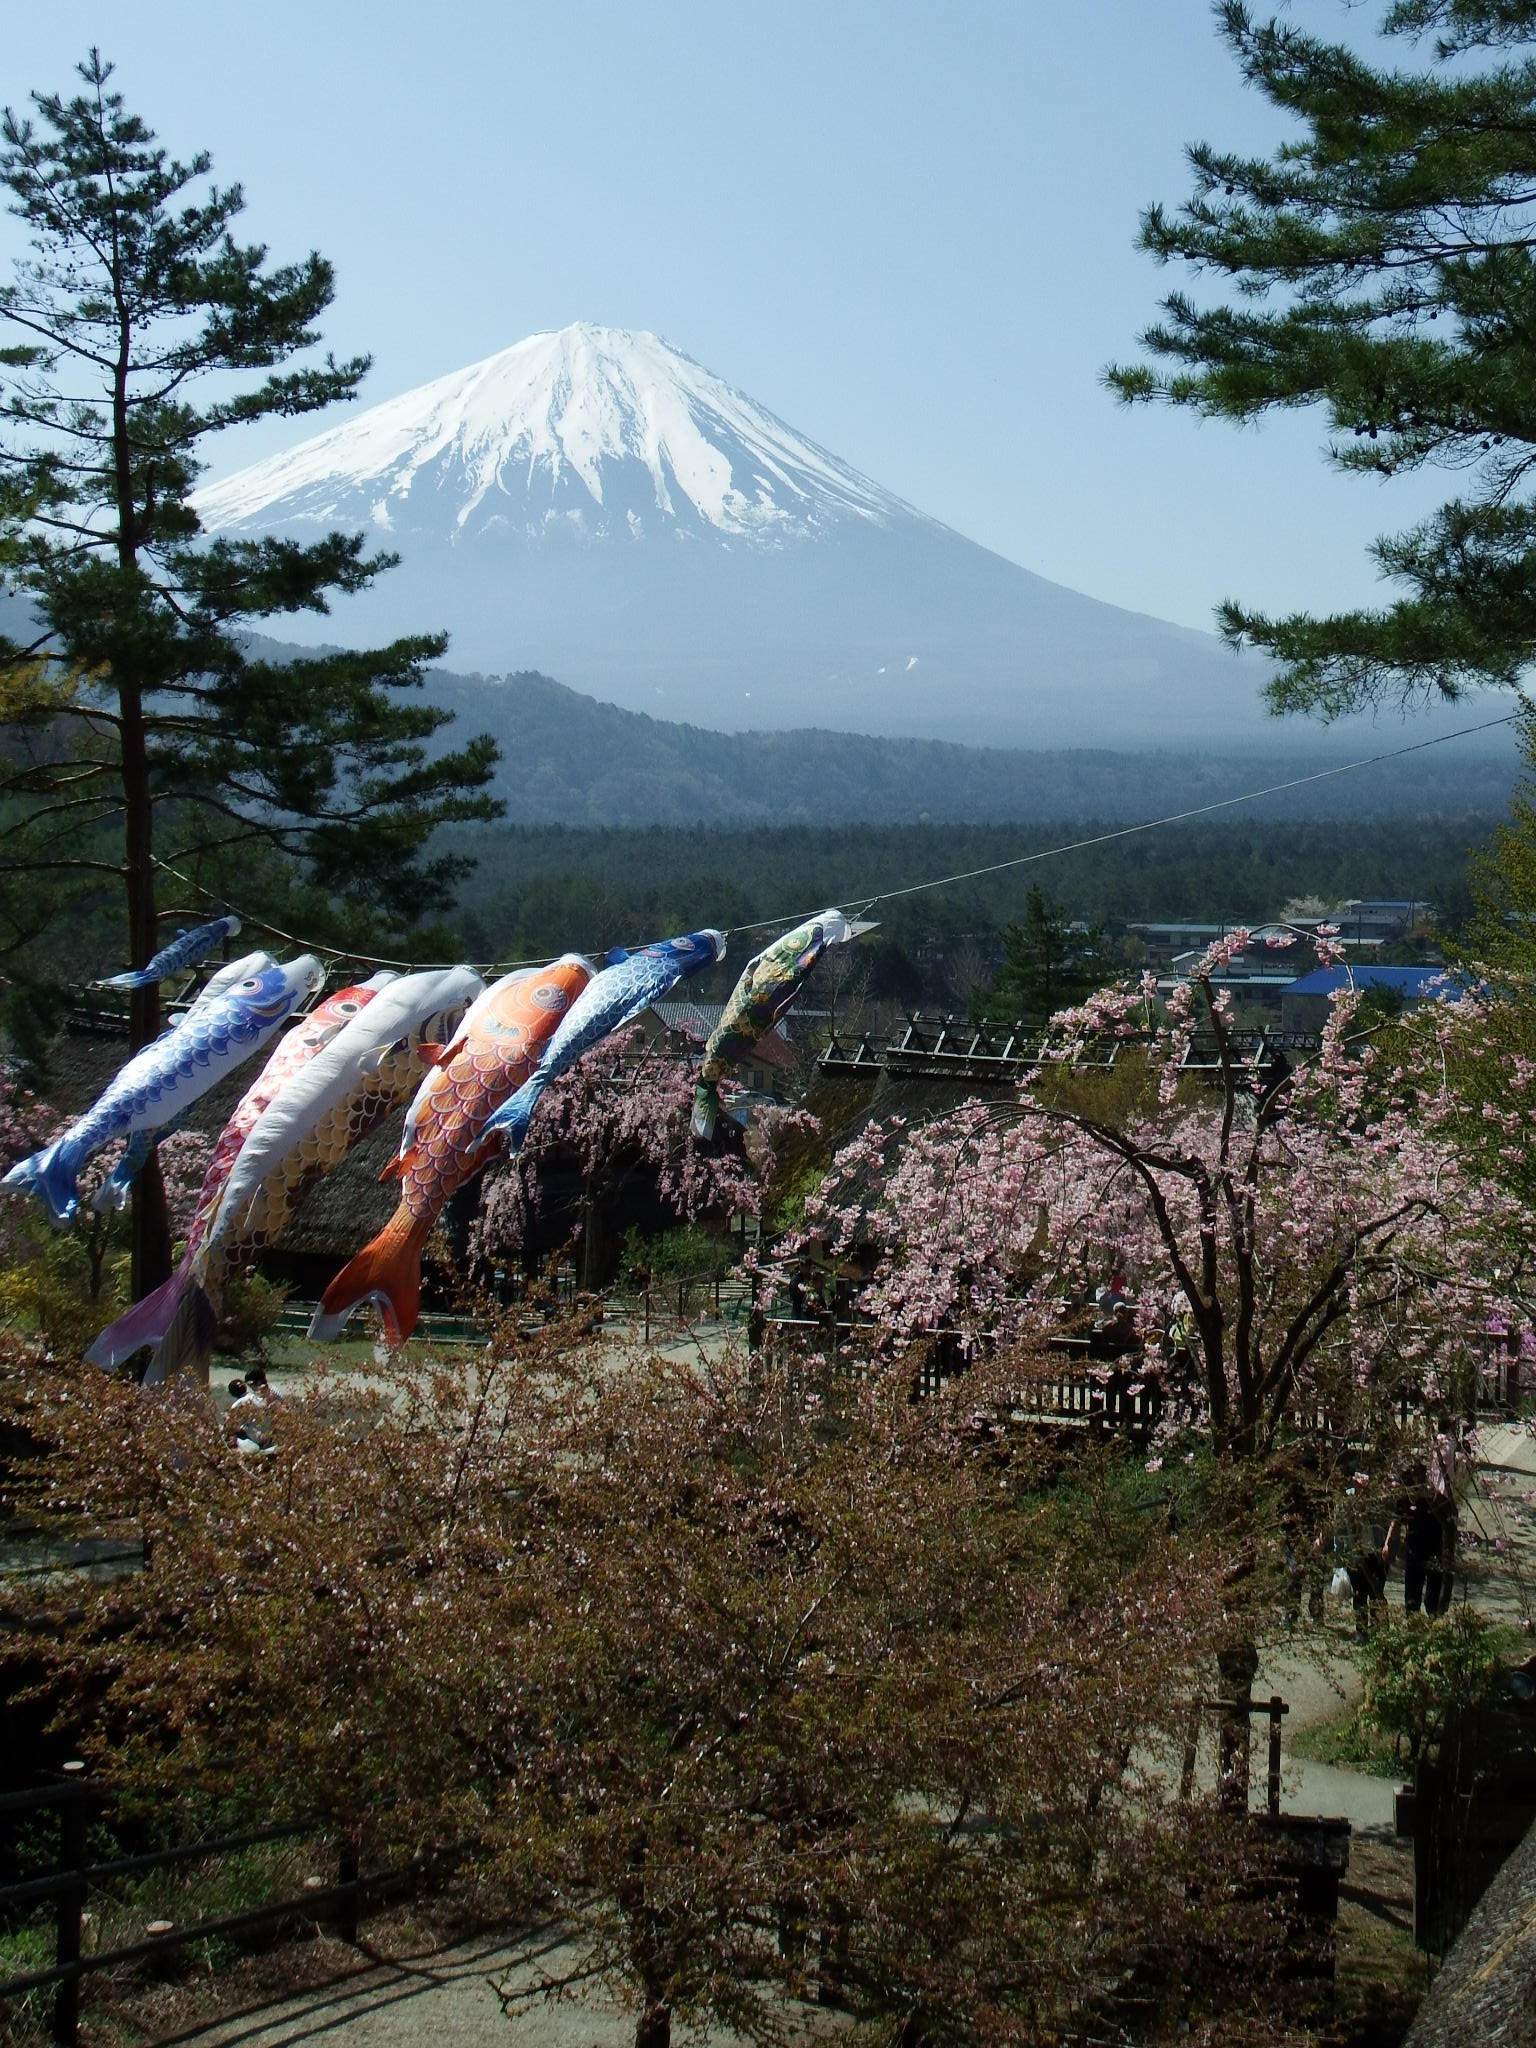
(1084, 1392)
(68, 1884)
(661, 1305)
(1472, 1802)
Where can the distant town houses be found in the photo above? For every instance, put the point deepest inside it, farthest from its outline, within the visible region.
(1264, 976)
(1305, 1004)
(1368, 923)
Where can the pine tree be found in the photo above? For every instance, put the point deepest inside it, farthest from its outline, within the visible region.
(1383, 266)
(144, 329)
(1046, 965)
(1499, 943)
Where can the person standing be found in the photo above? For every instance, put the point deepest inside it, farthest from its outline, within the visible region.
(1419, 1524)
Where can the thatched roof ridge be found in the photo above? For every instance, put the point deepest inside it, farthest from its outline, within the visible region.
(1486, 1990)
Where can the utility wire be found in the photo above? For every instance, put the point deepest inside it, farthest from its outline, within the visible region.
(869, 903)
(1223, 803)
(334, 953)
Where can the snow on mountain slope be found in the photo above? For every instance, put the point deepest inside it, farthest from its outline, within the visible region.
(594, 504)
(610, 430)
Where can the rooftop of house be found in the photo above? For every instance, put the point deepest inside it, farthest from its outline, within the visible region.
(1414, 984)
(1238, 980)
(1354, 910)
(698, 1020)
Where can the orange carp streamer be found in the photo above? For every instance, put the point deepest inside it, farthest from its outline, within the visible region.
(444, 1144)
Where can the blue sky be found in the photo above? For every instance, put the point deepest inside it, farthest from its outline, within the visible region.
(907, 228)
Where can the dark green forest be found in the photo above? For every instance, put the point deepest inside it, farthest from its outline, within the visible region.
(538, 891)
(535, 892)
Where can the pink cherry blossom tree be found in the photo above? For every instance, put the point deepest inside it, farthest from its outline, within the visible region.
(1287, 1235)
(25, 1124)
(1298, 1246)
(620, 1112)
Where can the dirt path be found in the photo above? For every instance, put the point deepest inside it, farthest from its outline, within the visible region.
(443, 1999)
(1496, 1546)
(451, 1998)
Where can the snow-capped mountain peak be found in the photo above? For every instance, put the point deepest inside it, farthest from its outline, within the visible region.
(595, 505)
(602, 429)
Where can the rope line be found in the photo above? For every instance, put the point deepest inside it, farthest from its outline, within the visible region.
(1154, 824)
(338, 954)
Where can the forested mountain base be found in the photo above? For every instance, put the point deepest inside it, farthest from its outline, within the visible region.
(539, 891)
(568, 759)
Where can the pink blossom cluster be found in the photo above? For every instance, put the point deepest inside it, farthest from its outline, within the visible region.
(1280, 1233)
(618, 1111)
(25, 1124)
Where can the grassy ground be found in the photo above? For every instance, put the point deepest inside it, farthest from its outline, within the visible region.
(1349, 1740)
(125, 1912)
(1381, 1976)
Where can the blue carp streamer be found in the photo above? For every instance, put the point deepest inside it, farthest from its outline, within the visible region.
(158, 1083)
(185, 950)
(612, 999)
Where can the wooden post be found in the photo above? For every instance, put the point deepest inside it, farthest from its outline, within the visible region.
(71, 1903)
(1191, 1751)
(350, 1906)
(1277, 1710)
(1237, 1661)
(1429, 1830)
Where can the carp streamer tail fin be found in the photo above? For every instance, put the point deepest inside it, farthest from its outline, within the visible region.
(144, 1324)
(509, 1126)
(187, 1345)
(52, 1173)
(387, 1273)
(706, 1107)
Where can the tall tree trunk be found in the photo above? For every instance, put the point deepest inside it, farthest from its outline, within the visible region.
(653, 2029)
(594, 1242)
(151, 1230)
(151, 1218)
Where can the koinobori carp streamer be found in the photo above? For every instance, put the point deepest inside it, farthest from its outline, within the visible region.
(768, 986)
(157, 1084)
(147, 1321)
(629, 984)
(184, 951)
(444, 1143)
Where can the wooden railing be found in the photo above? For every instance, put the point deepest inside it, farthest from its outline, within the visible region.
(69, 1882)
(1099, 1393)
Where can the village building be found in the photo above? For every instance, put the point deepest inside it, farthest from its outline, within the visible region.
(1305, 1004)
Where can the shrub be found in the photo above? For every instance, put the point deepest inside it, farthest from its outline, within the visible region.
(754, 1685)
(1419, 1668)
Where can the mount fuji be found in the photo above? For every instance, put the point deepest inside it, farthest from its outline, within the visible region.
(595, 505)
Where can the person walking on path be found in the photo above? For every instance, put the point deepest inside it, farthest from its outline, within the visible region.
(1358, 1545)
(1419, 1519)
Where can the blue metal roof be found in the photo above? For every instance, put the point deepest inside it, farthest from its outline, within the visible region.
(1413, 984)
